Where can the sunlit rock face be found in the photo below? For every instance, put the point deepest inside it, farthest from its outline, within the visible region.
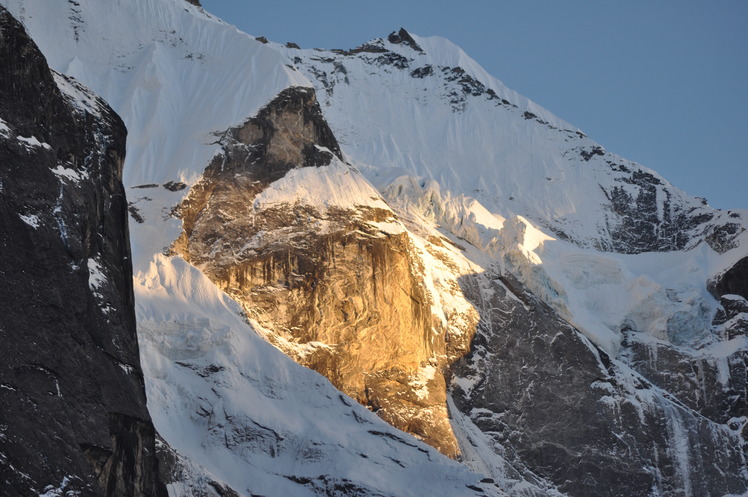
(323, 266)
(73, 419)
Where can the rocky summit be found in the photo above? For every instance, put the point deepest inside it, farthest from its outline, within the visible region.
(373, 271)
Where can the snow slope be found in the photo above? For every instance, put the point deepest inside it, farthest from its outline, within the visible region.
(255, 420)
(601, 293)
(161, 64)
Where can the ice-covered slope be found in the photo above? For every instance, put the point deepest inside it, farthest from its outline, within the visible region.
(602, 294)
(446, 119)
(170, 69)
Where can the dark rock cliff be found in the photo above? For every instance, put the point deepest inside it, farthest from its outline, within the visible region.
(646, 218)
(733, 281)
(586, 422)
(74, 418)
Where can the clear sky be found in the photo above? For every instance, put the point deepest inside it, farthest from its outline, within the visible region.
(660, 82)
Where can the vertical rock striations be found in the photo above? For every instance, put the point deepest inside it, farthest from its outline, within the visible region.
(74, 418)
(320, 262)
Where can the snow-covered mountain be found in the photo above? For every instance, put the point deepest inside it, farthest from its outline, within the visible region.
(445, 115)
(446, 252)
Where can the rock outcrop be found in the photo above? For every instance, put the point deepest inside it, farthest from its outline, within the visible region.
(335, 280)
(645, 215)
(733, 281)
(74, 418)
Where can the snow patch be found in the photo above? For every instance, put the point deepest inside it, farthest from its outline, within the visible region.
(96, 277)
(461, 215)
(335, 185)
(30, 219)
(4, 129)
(60, 490)
(32, 142)
(69, 174)
(126, 368)
(76, 94)
(424, 375)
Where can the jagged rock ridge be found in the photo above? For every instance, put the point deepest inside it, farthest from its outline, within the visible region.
(74, 418)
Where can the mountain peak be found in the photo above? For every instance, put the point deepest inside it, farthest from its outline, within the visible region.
(404, 38)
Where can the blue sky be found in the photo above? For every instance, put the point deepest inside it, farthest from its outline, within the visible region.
(661, 82)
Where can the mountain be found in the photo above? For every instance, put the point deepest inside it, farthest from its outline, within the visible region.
(474, 270)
